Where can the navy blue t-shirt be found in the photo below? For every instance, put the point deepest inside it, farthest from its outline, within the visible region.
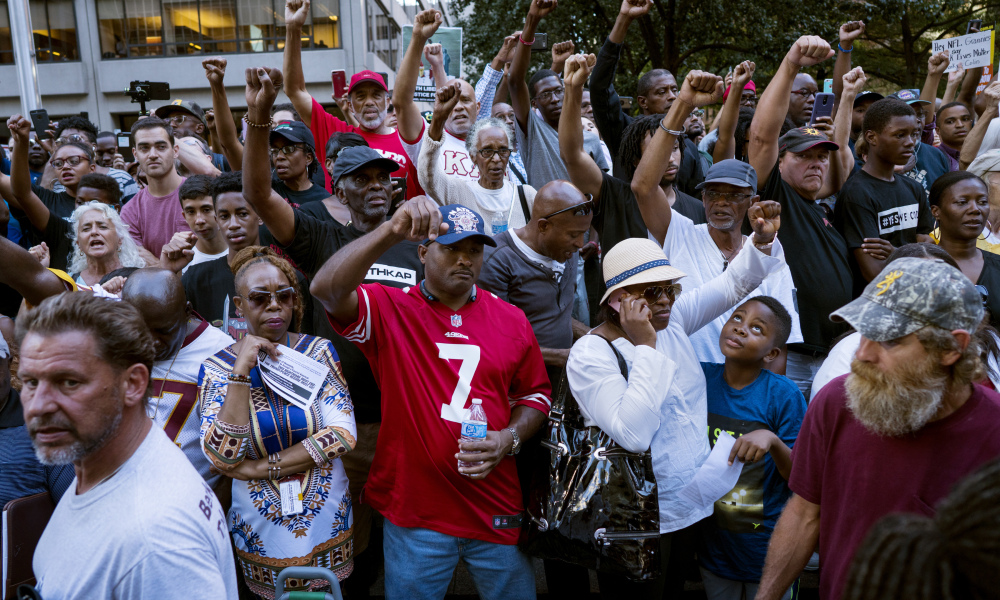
(931, 164)
(734, 539)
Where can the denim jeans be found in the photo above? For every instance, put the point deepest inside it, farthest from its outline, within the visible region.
(419, 564)
(802, 368)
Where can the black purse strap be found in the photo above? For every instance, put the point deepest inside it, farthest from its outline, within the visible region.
(524, 204)
(621, 359)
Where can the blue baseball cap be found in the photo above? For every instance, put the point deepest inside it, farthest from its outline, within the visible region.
(295, 132)
(463, 223)
(733, 172)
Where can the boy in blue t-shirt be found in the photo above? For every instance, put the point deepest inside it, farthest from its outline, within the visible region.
(763, 411)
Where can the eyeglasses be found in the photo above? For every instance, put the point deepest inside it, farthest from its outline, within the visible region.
(697, 113)
(287, 150)
(548, 95)
(733, 197)
(579, 210)
(73, 137)
(489, 153)
(263, 298)
(653, 292)
(74, 161)
(804, 93)
(178, 119)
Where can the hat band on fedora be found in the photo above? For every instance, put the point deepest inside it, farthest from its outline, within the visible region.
(634, 270)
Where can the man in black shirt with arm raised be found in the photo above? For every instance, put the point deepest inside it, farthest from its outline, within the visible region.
(361, 178)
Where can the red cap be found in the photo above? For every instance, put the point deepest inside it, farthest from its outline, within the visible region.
(749, 86)
(366, 76)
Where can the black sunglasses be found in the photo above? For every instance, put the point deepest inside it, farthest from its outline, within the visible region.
(579, 210)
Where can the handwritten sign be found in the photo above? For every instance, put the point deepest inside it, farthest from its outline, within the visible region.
(969, 51)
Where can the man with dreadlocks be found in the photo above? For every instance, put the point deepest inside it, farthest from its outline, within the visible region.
(616, 213)
(894, 435)
(950, 556)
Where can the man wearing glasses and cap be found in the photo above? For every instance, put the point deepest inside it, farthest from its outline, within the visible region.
(434, 348)
(187, 119)
(898, 432)
(293, 154)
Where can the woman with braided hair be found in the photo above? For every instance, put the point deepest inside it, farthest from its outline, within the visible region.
(955, 554)
(278, 452)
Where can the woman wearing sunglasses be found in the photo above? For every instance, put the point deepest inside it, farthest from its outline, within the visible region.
(291, 505)
(502, 204)
(662, 404)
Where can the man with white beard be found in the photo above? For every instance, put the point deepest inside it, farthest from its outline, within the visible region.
(898, 432)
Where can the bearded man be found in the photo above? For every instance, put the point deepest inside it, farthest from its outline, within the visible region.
(895, 434)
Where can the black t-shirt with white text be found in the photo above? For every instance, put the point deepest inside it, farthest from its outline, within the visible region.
(817, 257)
(869, 207)
(315, 242)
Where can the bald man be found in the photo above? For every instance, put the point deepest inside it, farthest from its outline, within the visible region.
(183, 341)
(800, 104)
(454, 160)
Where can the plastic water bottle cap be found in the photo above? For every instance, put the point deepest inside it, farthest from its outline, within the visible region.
(477, 401)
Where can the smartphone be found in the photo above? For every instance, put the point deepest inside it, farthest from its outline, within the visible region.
(822, 108)
(827, 86)
(124, 139)
(339, 77)
(626, 102)
(398, 194)
(974, 23)
(541, 43)
(40, 121)
(615, 301)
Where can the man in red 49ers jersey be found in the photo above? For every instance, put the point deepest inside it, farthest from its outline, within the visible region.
(183, 341)
(433, 348)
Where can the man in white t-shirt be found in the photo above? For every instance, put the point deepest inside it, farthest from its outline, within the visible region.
(138, 521)
(183, 341)
(199, 212)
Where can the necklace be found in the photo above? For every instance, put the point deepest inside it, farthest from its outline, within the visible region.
(163, 384)
(727, 259)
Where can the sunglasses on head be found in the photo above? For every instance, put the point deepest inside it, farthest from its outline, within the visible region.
(263, 298)
(579, 210)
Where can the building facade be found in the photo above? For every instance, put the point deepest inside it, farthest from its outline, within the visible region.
(87, 51)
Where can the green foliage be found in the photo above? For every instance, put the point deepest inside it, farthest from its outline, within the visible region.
(714, 35)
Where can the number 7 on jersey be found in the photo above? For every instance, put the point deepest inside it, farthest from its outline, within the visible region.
(469, 355)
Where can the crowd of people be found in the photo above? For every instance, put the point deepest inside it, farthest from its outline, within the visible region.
(824, 290)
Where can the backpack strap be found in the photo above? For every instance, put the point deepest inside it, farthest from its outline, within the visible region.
(524, 203)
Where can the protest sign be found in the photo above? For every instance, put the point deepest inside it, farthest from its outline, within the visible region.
(969, 51)
(450, 39)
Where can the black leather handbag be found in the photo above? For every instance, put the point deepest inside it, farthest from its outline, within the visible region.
(593, 503)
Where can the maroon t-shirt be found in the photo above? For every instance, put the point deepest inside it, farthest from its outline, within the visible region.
(858, 477)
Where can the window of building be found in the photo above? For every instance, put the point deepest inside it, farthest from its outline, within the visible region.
(53, 24)
(383, 33)
(138, 28)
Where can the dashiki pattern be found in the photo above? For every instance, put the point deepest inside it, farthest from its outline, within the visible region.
(265, 541)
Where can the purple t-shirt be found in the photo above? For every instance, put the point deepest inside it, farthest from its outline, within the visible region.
(858, 477)
(152, 220)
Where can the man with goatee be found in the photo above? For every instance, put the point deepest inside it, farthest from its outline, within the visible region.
(898, 432)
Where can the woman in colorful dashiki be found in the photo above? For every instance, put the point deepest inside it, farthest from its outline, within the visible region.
(291, 505)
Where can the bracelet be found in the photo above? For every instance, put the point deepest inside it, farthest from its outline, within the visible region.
(274, 473)
(670, 131)
(839, 47)
(268, 125)
(753, 240)
(526, 43)
(235, 377)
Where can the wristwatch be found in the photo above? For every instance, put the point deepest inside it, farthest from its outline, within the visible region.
(517, 442)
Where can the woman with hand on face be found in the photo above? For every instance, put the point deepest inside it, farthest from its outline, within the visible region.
(268, 444)
(960, 204)
(489, 143)
(662, 405)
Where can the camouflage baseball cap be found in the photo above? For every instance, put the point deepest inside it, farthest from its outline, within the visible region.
(911, 293)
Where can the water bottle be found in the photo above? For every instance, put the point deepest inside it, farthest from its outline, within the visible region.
(473, 427)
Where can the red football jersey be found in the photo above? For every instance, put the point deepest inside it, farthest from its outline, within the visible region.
(430, 362)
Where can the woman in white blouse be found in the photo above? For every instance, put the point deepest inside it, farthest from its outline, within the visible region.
(489, 144)
(662, 405)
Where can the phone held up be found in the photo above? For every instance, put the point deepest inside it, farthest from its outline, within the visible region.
(39, 121)
(339, 77)
(822, 108)
(541, 43)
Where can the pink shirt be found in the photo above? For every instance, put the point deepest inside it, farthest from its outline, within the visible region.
(152, 221)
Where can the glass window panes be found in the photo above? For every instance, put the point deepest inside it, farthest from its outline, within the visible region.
(137, 28)
(53, 24)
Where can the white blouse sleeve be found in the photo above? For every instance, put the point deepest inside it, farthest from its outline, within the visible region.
(627, 410)
(699, 307)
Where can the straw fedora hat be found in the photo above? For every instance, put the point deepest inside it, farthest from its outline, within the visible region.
(636, 260)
